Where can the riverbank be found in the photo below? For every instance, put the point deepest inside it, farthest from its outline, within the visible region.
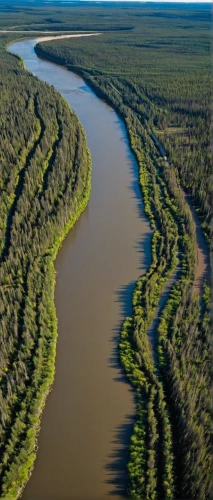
(31, 236)
(175, 234)
(113, 229)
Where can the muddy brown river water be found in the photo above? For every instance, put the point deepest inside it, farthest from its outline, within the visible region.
(88, 418)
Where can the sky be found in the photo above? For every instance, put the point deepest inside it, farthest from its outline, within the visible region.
(160, 1)
(156, 1)
(171, 1)
(148, 1)
(183, 1)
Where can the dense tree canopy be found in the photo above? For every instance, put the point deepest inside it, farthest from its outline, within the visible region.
(153, 67)
(162, 68)
(157, 76)
(45, 181)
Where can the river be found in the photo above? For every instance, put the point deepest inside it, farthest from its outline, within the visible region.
(88, 418)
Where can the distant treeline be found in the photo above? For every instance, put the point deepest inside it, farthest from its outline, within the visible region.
(158, 79)
(45, 183)
(163, 70)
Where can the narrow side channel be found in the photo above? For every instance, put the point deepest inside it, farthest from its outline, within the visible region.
(89, 414)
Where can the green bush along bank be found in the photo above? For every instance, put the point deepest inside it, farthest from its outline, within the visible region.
(157, 89)
(45, 185)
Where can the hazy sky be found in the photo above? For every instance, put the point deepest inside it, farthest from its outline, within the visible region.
(145, 1)
(173, 1)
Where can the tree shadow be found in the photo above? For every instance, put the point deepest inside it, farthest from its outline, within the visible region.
(143, 247)
(124, 297)
(86, 88)
(116, 468)
(134, 185)
(118, 459)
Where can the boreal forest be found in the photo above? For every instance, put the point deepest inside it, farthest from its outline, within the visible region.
(153, 67)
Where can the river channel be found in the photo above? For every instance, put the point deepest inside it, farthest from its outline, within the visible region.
(88, 418)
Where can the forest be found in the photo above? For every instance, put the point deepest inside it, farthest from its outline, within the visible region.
(45, 185)
(164, 71)
(157, 76)
(154, 68)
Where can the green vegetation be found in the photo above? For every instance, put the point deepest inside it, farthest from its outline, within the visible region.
(161, 68)
(154, 68)
(45, 185)
(157, 76)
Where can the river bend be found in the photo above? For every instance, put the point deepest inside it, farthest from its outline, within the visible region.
(88, 417)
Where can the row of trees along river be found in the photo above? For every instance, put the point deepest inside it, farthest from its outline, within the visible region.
(170, 451)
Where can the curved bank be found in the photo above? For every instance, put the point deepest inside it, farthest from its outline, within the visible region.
(88, 417)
